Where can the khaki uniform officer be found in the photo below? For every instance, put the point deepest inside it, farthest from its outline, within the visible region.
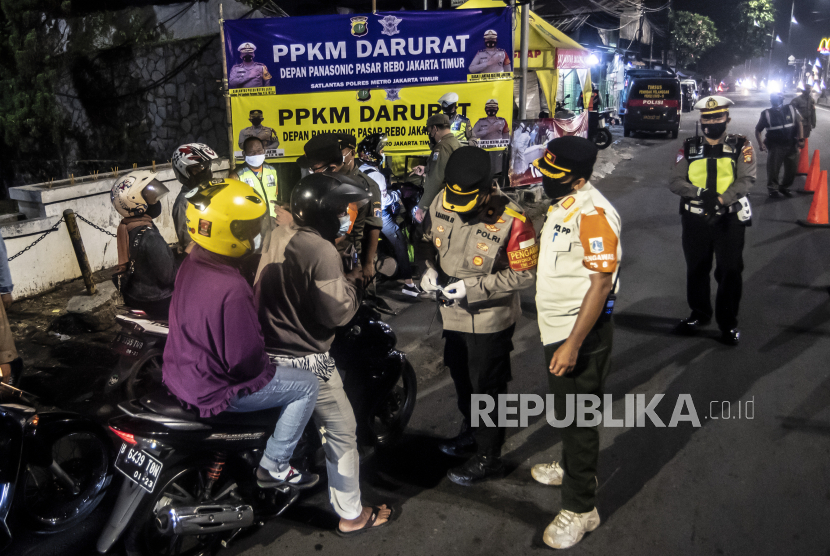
(443, 143)
(579, 254)
(264, 133)
(712, 175)
(248, 73)
(806, 107)
(484, 252)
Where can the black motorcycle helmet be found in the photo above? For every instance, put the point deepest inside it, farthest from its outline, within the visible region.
(318, 200)
(369, 148)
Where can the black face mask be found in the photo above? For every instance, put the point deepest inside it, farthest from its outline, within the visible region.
(490, 44)
(556, 188)
(491, 113)
(154, 210)
(713, 131)
(256, 121)
(449, 111)
(432, 141)
(248, 58)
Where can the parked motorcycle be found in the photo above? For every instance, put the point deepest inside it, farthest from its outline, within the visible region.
(190, 484)
(597, 130)
(140, 347)
(54, 466)
(561, 112)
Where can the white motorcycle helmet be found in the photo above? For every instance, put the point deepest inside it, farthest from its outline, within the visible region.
(194, 164)
(138, 193)
(448, 100)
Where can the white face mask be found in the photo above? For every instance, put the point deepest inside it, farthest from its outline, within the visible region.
(345, 222)
(255, 161)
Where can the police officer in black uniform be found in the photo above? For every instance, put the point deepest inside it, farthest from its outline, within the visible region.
(712, 174)
(784, 138)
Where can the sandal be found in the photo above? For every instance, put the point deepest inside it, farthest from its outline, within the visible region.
(370, 523)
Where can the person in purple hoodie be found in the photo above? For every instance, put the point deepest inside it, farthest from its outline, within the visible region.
(215, 357)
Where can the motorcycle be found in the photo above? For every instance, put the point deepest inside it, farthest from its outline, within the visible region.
(140, 346)
(597, 130)
(190, 484)
(562, 113)
(54, 466)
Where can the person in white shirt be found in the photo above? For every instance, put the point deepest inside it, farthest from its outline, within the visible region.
(578, 265)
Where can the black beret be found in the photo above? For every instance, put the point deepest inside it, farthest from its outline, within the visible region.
(468, 172)
(568, 155)
(321, 149)
(347, 140)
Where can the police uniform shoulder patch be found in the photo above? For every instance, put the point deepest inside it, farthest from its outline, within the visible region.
(435, 156)
(747, 152)
(566, 204)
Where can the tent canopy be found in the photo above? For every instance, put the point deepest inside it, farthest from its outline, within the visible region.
(543, 36)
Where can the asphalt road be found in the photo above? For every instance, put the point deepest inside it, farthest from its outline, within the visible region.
(735, 485)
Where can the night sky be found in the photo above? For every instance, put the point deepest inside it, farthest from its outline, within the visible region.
(813, 18)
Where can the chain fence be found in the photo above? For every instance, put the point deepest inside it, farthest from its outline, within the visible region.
(55, 229)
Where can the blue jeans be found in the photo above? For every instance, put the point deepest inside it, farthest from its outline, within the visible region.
(296, 391)
(392, 232)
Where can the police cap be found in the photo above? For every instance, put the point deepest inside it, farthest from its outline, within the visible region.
(568, 156)
(247, 47)
(467, 175)
(347, 141)
(255, 113)
(713, 105)
(321, 149)
(438, 119)
(490, 34)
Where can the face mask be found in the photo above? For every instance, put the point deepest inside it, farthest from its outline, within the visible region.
(449, 110)
(432, 141)
(345, 222)
(255, 161)
(248, 58)
(490, 44)
(154, 210)
(491, 113)
(713, 131)
(556, 189)
(256, 121)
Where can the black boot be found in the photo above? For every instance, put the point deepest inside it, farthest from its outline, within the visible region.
(17, 370)
(477, 469)
(462, 446)
(690, 326)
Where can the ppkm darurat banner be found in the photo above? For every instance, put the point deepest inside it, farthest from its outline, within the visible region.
(291, 78)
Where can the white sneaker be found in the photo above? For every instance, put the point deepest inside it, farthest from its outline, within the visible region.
(548, 473)
(568, 528)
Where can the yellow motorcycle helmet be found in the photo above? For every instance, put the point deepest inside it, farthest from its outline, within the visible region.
(225, 216)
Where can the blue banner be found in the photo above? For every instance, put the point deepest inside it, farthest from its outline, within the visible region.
(293, 55)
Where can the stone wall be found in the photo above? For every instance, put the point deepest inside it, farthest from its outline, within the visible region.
(137, 104)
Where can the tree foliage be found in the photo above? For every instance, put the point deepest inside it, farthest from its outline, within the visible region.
(691, 35)
(751, 36)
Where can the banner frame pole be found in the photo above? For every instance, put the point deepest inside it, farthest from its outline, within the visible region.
(226, 90)
(523, 57)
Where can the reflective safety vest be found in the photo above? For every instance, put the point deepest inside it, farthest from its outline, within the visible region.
(780, 124)
(713, 166)
(459, 126)
(267, 188)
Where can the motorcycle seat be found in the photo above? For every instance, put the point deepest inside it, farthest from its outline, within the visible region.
(162, 402)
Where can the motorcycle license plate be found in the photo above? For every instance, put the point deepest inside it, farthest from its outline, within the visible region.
(127, 345)
(138, 466)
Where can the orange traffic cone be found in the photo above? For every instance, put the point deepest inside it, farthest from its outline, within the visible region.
(817, 217)
(804, 159)
(811, 186)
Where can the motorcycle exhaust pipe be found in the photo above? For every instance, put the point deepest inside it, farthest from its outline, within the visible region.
(201, 520)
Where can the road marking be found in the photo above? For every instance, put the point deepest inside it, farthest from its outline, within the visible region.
(434, 388)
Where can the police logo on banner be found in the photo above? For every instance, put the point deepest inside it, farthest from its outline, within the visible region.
(360, 27)
(596, 245)
(393, 94)
(390, 25)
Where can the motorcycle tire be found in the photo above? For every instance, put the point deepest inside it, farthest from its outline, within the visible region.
(145, 374)
(143, 537)
(43, 504)
(394, 412)
(603, 138)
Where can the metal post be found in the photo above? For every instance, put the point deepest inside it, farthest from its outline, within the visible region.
(790, 30)
(226, 89)
(80, 252)
(523, 57)
(769, 64)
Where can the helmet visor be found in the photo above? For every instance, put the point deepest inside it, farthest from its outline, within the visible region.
(247, 230)
(154, 192)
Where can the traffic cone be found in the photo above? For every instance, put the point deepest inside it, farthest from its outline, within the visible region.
(804, 159)
(817, 217)
(811, 185)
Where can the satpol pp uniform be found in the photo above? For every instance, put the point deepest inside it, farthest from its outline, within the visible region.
(580, 237)
(728, 169)
(494, 253)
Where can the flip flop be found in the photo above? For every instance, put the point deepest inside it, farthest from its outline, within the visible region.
(370, 523)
